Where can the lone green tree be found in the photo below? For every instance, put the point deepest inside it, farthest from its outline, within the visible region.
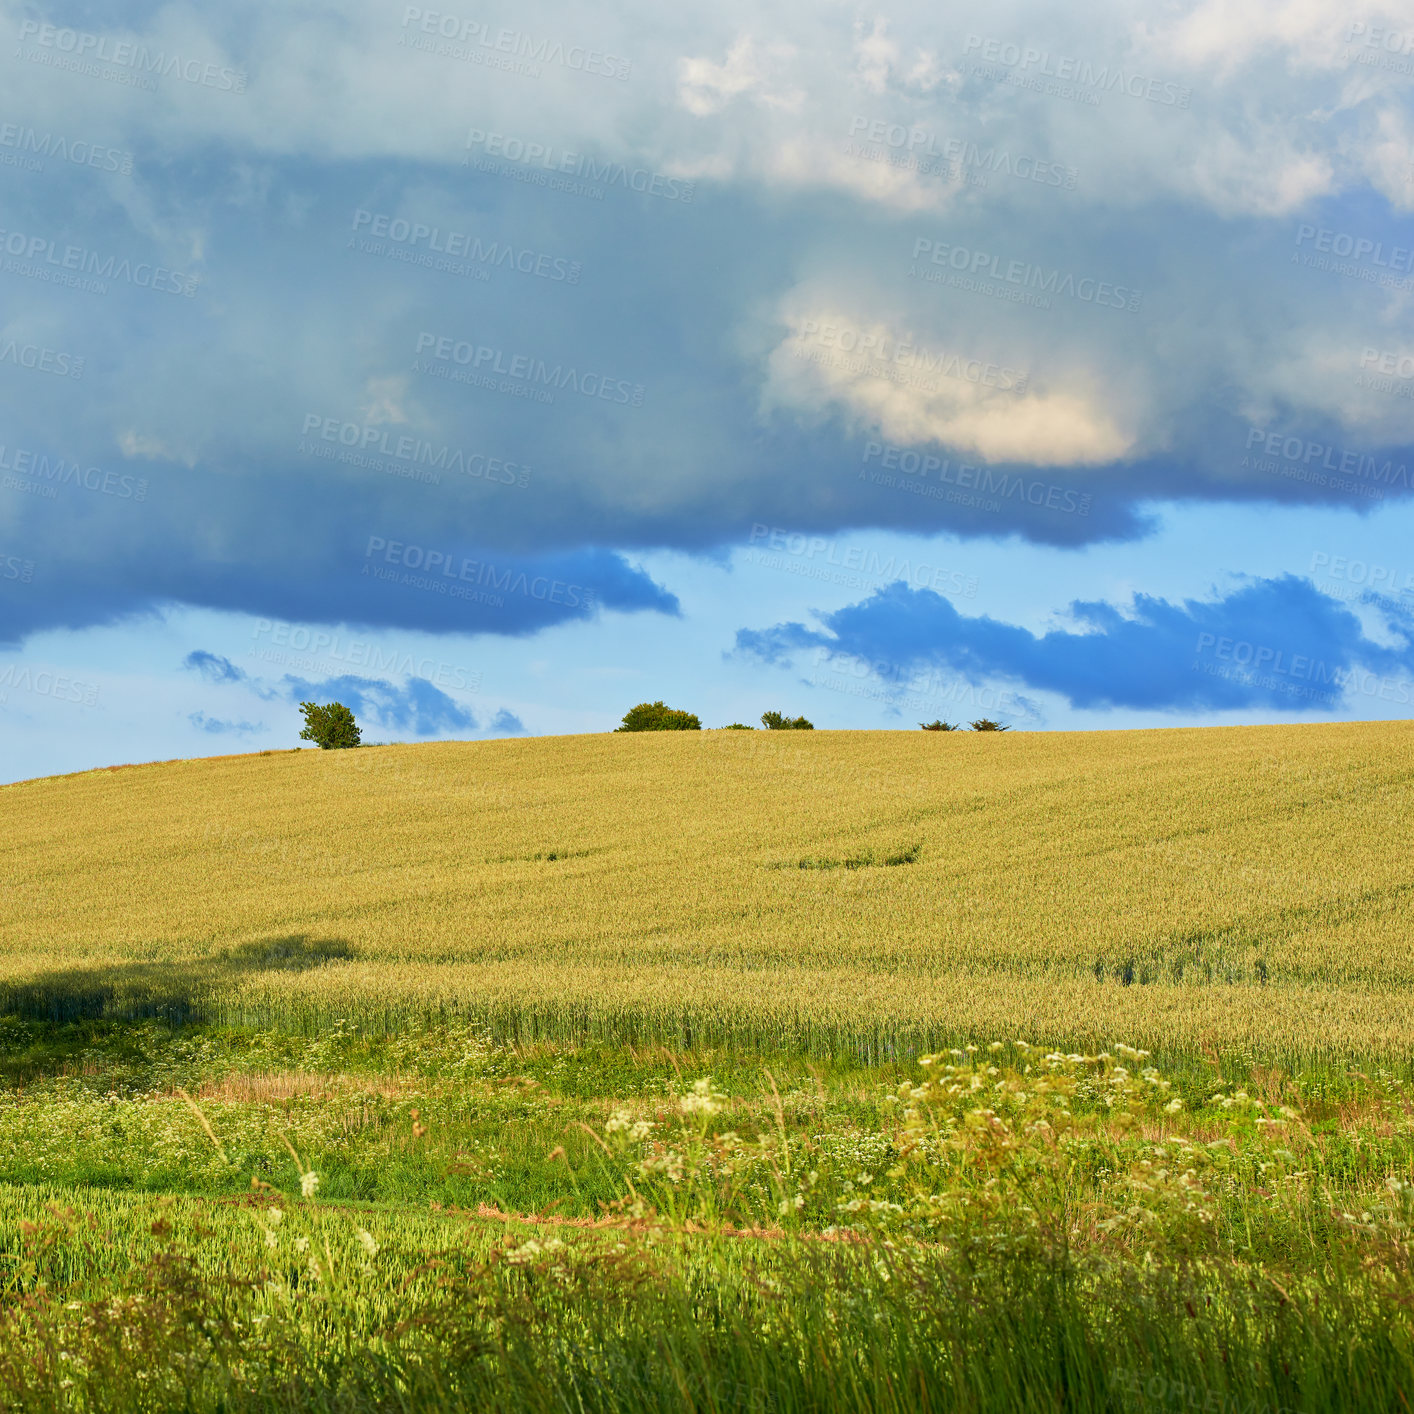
(657, 717)
(938, 725)
(330, 726)
(778, 722)
(986, 724)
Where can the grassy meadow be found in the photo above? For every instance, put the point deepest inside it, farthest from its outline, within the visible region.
(715, 1071)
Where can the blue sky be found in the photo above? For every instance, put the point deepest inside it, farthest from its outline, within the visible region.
(494, 369)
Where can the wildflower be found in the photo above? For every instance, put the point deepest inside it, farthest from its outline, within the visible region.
(276, 1216)
(703, 1099)
(366, 1241)
(619, 1120)
(308, 1182)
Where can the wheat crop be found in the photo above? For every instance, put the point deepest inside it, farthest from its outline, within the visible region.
(1239, 889)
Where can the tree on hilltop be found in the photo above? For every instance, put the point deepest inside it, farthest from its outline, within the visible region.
(656, 717)
(330, 726)
(777, 722)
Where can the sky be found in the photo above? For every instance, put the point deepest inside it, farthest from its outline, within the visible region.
(493, 369)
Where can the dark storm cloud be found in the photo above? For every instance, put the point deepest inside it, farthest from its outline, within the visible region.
(300, 324)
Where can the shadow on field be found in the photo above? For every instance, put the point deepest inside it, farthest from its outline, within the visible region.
(179, 992)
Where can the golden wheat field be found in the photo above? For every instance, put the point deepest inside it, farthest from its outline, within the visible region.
(1244, 889)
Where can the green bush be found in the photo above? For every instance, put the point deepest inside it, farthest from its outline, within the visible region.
(986, 724)
(655, 717)
(938, 725)
(776, 722)
(331, 726)
(736, 727)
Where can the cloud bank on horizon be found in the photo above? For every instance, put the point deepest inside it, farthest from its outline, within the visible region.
(441, 320)
(419, 706)
(1277, 643)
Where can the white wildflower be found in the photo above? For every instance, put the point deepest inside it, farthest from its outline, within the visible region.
(703, 1099)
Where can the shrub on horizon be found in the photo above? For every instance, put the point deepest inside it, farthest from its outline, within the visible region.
(986, 724)
(656, 717)
(938, 725)
(330, 726)
(776, 722)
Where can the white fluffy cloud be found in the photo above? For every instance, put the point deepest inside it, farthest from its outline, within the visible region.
(913, 390)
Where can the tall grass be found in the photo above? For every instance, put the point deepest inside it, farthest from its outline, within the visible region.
(1050, 1234)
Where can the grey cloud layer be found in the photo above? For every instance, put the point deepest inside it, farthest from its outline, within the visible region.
(543, 362)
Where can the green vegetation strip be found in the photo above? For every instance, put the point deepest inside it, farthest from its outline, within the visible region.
(242, 1220)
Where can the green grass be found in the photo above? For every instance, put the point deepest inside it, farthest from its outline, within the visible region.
(522, 1249)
